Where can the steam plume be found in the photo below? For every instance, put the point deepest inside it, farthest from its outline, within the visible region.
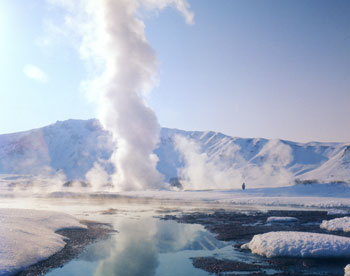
(204, 171)
(112, 37)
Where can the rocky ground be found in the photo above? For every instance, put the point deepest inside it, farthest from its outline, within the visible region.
(240, 228)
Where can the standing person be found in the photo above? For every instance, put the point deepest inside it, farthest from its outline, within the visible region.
(243, 186)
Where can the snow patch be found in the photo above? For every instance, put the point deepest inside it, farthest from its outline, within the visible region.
(281, 219)
(28, 236)
(338, 224)
(347, 270)
(299, 244)
(337, 212)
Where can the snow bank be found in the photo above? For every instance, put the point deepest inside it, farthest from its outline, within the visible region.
(338, 224)
(28, 236)
(299, 244)
(347, 270)
(281, 219)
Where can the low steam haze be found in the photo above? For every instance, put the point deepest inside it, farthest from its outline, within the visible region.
(202, 171)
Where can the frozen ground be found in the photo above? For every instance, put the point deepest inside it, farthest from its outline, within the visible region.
(28, 236)
(299, 244)
(338, 224)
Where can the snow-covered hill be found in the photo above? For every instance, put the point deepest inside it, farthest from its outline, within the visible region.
(73, 147)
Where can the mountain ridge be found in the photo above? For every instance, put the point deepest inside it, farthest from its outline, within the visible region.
(74, 146)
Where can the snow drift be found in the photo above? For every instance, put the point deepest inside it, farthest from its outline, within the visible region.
(347, 270)
(338, 224)
(299, 244)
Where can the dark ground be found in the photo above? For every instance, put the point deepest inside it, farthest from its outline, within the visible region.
(240, 228)
(78, 240)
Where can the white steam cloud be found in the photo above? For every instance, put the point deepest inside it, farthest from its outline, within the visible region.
(202, 172)
(111, 38)
(228, 170)
(98, 178)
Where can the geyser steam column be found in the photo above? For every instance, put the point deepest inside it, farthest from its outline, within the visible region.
(131, 66)
(113, 35)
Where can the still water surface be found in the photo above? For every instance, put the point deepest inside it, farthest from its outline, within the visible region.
(146, 246)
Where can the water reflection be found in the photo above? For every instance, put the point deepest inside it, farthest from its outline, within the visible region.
(142, 246)
(98, 251)
(172, 236)
(134, 251)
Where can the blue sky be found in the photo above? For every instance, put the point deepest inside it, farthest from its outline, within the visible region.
(262, 68)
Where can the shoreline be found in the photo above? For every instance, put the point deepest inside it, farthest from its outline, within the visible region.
(232, 226)
(239, 228)
(76, 241)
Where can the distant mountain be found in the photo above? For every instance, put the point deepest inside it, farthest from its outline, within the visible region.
(335, 169)
(73, 146)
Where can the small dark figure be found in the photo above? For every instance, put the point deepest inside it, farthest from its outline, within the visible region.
(243, 186)
(175, 182)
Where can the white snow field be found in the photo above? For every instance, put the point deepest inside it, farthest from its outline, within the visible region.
(299, 244)
(281, 219)
(338, 224)
(28, 236)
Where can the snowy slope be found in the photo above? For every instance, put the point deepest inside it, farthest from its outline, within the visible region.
(337, 168)
(304, 161)
(73, 147)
